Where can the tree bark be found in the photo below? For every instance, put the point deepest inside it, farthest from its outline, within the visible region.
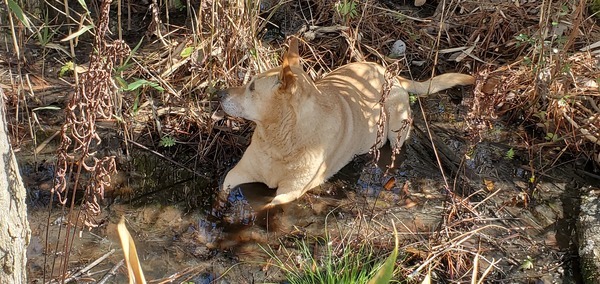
(14, 228)
(588, 232)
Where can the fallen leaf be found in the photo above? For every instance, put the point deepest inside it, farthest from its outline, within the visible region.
(490, 85)
(489, 185)
(390, 183)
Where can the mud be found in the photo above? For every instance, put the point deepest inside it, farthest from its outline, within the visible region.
(518, 220)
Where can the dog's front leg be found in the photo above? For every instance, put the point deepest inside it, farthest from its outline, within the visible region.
(236, 176)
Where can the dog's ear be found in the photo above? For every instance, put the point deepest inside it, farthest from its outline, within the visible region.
(292, 54)
(290, 58)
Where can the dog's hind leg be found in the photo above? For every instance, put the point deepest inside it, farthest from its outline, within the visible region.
(399, 117)
(291, 189)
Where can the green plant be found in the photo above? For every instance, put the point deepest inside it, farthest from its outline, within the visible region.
(179, 5)
(510, 154)
(347, 9)
(552, 137)
(142, 83)
(344, 261)
(187, 52)
(44, 33)
(125, 65)
(524, 39)
(527, 263)
(67, 67)
(16, 9)
(167, 141)
(386, 272)
(135, 88)
(564, 10)
(412, 98)
(338, 265)
(84, 28)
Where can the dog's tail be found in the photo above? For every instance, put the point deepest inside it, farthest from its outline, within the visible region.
(436, 84)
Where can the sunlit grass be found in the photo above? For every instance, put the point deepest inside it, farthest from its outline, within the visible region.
(329, 261)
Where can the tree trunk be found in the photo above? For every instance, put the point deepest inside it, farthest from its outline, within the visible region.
(588, 232)
(14, 228)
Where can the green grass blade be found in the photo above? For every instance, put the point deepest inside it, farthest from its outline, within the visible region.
(386, 272)
(78, 33)
(141, 82)
(82, 3)
(14, 7)
(126, 64)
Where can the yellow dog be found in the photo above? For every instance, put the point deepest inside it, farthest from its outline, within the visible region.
(307, 131)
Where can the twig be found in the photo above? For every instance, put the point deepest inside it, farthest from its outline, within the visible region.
(112, 272)
(45, 143)
(169, 159)
(90, 266)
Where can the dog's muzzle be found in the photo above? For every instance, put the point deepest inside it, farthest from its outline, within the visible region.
(227, 103)
(222, 94)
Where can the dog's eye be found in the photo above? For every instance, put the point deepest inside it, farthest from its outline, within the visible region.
(251, 87)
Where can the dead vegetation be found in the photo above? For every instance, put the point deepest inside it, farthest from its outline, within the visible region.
(528, 56)
(536, 64)
(551, 87)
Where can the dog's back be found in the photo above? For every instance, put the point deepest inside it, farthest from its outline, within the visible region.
(357, 87)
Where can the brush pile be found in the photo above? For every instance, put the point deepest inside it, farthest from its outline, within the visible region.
(551, 85)
(535, 61)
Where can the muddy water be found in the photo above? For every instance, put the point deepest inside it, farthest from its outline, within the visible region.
(170, 214)
(158, 202)
(179, 234)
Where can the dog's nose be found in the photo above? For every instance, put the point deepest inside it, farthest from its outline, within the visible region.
(222, 94)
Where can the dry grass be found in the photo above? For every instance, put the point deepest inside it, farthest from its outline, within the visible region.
(552, 86)
(218, 45)
(535, 64)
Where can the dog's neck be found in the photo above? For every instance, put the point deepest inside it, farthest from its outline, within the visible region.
(285, 128)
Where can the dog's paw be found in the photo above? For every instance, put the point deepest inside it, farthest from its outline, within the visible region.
(282, 199)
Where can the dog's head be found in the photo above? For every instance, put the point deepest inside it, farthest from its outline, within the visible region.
(266, 91)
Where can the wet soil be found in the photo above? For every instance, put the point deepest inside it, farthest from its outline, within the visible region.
(517, 215)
